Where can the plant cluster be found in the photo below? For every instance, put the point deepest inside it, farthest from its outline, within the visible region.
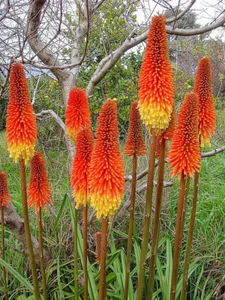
(97, 175)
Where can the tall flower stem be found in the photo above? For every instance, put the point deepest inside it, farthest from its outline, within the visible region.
(178, 237)
(75, 254)
(3, 253)
(102, 282)
(190, 237)
(131, 224)
(147, 218)
(158, 205)
(41, 254)
(27, 228)
(85, 213)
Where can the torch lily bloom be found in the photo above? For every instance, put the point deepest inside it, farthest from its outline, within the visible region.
(185, 152)
(156, 91)
(81, 164)
(77, 112)
(4, 193)
(38, 190)
(203, 88)
(135, 144)
(166, 134)
(21, 132)
(106, 176)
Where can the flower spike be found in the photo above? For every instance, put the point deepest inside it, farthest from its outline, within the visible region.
(156, 91)
(81, 164)
(4, 193)
(38, 190)
(203, 88)
(21, 131)
(106, 177)
(185, 151)
(135, 144)
(77, 112)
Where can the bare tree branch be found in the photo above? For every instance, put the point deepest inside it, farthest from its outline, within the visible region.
(53, 115)
(213, 152)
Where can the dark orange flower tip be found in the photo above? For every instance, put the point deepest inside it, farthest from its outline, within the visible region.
(203, 88)
(106, 176)
(81, 164)
(135, 144)
(38, 190)
(184, 156)
(77, 112)
(21, 130)
(4, 193)
(156, 90)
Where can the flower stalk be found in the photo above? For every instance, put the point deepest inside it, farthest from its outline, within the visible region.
(3, 254)
(155, 237)
(102, 282)
(131, 224)
(41, 254)
(147, 217)
(27, 228)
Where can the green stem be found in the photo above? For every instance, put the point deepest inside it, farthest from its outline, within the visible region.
(75, 253)
(147, 218)
(85, 210)
(131, 224)
(41, 254)
(158, 205)
(3, 254)
(178, 238)
(190, 237)
(27, 228)
(102, 282)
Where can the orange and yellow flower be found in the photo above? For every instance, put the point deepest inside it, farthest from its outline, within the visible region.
(81, 164)
(21, 131)
(77, 112)
(4, 193)
(106, 176)
(135, 144)
(156, 90)
(166, 134)
(203, 88)
(184, 156)
(38, 190)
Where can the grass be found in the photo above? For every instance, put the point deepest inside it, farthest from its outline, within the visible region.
(207, 258)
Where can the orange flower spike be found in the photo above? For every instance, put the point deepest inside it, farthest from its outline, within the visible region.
(166, 134)
(156, 90)
(4, 193)
(203, 88)
(77, 112)
(185, 151)
(21, 131)
(38, 190)
(81, 164)
(135, 144)
(106, 176)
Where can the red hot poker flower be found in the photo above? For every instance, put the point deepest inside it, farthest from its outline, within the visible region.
(166, 134)
(4, 193)
(38, 190)
(77, 112)
(135, 144)
(21, 131)
(203, 88)
(156, 91)
(81, 164)
(106, 177)
(185, 151)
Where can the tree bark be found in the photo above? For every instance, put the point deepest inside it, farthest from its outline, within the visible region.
(16, 225)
